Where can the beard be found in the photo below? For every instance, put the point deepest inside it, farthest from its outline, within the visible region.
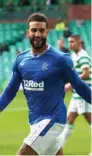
(37, 43)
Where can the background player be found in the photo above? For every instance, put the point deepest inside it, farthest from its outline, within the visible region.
(42, 71)
(82, 64)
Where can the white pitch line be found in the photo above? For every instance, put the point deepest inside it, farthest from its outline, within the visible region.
(16, 109)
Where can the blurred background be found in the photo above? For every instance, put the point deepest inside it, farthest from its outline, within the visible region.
(66, 17)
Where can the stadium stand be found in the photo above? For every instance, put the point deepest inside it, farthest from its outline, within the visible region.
(35, 5)
(14, 34)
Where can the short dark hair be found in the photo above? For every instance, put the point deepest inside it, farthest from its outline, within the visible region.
(77, 37)
(38, 17)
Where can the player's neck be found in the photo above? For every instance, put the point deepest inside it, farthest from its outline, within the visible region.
(78, 50)
(40, 51)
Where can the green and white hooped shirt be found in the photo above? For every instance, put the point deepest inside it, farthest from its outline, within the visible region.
(81, 60)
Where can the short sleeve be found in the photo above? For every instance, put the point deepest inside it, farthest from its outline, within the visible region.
(84, 62)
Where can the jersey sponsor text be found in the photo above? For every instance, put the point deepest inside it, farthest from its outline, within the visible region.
(33, 86)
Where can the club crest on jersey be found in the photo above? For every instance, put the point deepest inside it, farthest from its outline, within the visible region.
(33, 86)
(45, 66)
(22, 63)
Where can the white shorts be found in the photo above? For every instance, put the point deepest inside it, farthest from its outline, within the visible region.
(50, 143)
(80, 106)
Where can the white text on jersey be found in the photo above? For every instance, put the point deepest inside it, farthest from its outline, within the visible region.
(33, 86)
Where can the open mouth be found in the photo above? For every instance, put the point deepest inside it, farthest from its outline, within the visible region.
(37, 40)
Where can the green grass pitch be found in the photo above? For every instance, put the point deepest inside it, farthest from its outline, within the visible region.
(14, 128)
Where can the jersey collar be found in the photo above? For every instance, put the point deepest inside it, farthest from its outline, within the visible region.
(36, 56)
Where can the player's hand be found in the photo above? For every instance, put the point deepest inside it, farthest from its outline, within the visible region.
(68, 87)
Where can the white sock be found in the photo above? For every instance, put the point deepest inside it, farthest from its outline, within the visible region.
(66, 133)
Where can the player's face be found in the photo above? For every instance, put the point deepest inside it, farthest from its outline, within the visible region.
(73, 43)
(37, 34)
